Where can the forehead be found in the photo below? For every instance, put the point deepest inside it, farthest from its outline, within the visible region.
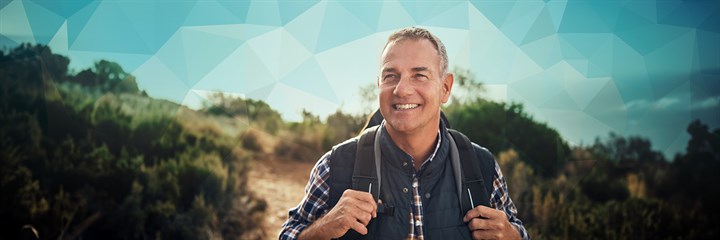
(410, 53)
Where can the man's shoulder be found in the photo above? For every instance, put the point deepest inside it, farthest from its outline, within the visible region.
(343, 154)
(480, 151)
(345, 145)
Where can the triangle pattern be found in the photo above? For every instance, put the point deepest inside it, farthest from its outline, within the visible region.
(43, 22)
(64, 9)
(305, 79)
(608, 107)
(14, 24)
(393, 16)
(78, 21)
(203, 51)
(208, 13)
(344, 20)
(306, 27)
(59, 42)
(542, 27)
(264, 13)
(289, 10)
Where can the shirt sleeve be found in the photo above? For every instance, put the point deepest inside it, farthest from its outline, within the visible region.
(313, 205)
(500, 199)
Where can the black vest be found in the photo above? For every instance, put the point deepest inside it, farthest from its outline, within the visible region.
(442, 217)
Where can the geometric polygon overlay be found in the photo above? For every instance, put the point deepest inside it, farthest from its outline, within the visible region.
(633, 67)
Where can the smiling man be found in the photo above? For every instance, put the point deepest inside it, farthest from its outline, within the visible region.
(416, 173)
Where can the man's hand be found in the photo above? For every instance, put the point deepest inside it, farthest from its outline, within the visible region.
(490, 223)
(353, 211)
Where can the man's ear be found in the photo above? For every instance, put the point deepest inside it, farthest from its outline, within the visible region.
(447, 84)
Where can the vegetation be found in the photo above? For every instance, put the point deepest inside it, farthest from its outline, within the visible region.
(616, 188)
(89, 155)
(77, 161)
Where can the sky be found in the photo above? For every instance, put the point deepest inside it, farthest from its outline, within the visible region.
(586, 68)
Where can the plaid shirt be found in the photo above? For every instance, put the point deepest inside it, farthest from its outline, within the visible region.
(317, 194)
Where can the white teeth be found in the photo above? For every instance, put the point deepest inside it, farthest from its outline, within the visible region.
(406, 106)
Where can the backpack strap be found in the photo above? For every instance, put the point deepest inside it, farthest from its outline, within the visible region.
(473, 176)
(366, 171)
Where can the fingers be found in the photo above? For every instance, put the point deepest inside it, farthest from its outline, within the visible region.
(354, 211)
(484, 224)
(477, 224)
(359, 227)
(366, 207)
(489, 223)
(362, 216)
(359, 207)
(485, 229)
(490, 234)
(361, 200)
(485, 234)
(483, 212)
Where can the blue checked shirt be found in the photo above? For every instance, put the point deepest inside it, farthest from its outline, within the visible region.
(317, 193)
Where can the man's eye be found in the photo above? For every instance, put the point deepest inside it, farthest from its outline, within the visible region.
(420, 76)
(390, 77)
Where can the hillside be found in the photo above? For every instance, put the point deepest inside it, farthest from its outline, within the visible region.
(89, 155)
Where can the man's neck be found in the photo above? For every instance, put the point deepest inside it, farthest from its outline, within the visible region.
(419, 145)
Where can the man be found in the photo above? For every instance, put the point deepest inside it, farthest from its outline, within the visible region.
(416, 170)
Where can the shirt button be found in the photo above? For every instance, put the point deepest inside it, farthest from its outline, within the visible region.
(427, 195)
(404, 164)
(405, 190)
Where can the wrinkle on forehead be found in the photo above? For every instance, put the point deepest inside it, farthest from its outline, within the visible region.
(422, 63)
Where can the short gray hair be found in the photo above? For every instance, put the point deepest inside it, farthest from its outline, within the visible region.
(416, 33)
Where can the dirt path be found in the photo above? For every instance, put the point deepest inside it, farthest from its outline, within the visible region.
(282, 185)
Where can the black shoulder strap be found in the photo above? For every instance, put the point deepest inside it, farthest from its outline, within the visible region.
(366, 171)
(476, 175)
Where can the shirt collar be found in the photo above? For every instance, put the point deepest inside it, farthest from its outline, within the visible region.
(437, 147)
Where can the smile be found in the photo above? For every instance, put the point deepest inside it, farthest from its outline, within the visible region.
(405, 106)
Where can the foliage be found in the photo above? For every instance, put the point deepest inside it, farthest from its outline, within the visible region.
(690, 180)
(76, 163)
(501, 126)
(616, 188)
(368, 97)
(106, 76)
(466, 89)
(309, 139)
(82, 157)
(597, 196)
(255, 111)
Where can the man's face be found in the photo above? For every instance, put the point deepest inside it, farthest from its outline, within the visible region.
(411, 88)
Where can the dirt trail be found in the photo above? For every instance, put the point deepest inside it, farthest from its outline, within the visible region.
(282, 185)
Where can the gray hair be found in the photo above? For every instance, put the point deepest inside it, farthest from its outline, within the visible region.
(416, 33)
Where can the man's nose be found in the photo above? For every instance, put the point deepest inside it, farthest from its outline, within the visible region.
(403, 87)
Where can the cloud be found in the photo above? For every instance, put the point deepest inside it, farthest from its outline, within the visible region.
(710, 102)
(665, 103)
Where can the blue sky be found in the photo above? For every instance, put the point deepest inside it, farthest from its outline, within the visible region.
(586, 68)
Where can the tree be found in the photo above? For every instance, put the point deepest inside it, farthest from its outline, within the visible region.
(256, 111)
(77, 169)
(500, 126)
(467, 89)
(688, 182)
(106, 76)
(369, 98)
